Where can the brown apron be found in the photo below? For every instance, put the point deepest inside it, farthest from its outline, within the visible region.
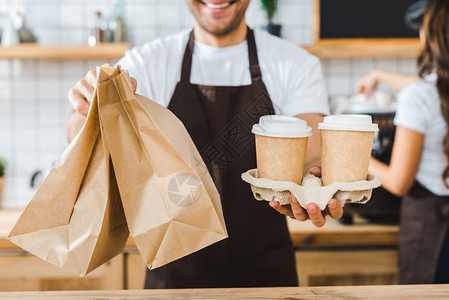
(259, 250)
(423, 226)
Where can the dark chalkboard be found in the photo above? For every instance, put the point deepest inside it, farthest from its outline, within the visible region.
(349, 19)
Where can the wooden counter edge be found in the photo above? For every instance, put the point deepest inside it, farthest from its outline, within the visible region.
(440, 291)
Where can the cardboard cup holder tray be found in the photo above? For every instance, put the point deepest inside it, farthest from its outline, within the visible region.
(311, 190)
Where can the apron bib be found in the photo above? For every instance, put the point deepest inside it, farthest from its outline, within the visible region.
(219, 119)
(423, 226)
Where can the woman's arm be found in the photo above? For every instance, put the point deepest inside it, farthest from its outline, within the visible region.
(369, 82)
(398, 177)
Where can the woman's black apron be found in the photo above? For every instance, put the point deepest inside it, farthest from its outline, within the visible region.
(259, 250)
(423, 237)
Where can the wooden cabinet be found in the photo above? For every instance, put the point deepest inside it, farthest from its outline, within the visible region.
(333, 255)
(135, 270)
(23, 272)
(318, 267)
(347, 267)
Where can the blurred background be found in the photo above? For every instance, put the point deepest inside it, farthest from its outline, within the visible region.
(33, 92)
(49, 45)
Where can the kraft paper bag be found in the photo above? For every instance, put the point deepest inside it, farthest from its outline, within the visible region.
(76, 219)
(133, 165)
(171, 203)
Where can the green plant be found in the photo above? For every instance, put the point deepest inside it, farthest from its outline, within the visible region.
(2, 166)
(270, 7)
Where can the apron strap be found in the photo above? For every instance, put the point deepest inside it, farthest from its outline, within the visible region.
(254, 67)
(187, 60)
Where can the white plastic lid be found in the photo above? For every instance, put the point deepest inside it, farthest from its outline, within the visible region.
(282, 126)
(348, 122)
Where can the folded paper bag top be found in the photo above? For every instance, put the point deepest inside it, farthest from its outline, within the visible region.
(133, 165)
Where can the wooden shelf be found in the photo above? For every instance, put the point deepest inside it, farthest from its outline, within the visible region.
(324, 49)
(62, 52)
(365, 48)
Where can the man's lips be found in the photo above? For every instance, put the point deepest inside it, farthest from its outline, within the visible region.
(218, 5)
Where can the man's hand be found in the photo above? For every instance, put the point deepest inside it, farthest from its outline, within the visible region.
(313, 212)
(80, 96)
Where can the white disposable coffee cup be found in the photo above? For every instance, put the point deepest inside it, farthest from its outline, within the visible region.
(346, 143)
(281, 145)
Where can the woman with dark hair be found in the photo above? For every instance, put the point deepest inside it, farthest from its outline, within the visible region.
(419, 166)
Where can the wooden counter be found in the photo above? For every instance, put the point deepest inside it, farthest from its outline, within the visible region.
(304, 234)
(339, 292)
(333, 255)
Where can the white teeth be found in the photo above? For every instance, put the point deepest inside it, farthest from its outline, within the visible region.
(216, 6)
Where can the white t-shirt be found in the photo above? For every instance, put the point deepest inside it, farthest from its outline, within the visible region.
(293, 77)
(419, 110)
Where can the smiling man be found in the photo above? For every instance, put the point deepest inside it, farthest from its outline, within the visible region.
(218, 79)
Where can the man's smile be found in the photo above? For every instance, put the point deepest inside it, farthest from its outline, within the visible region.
(217, 5)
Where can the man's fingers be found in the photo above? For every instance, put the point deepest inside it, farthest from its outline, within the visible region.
(86, 89)
(335, 209)
(82, 107)
(283, 209)
(316, 171)
(78, 102)
(134, 84)
(299, 212)
(91, 78)
(315, 215)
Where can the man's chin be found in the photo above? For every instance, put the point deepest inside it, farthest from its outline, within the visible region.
(219, 29)
(219, 32)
